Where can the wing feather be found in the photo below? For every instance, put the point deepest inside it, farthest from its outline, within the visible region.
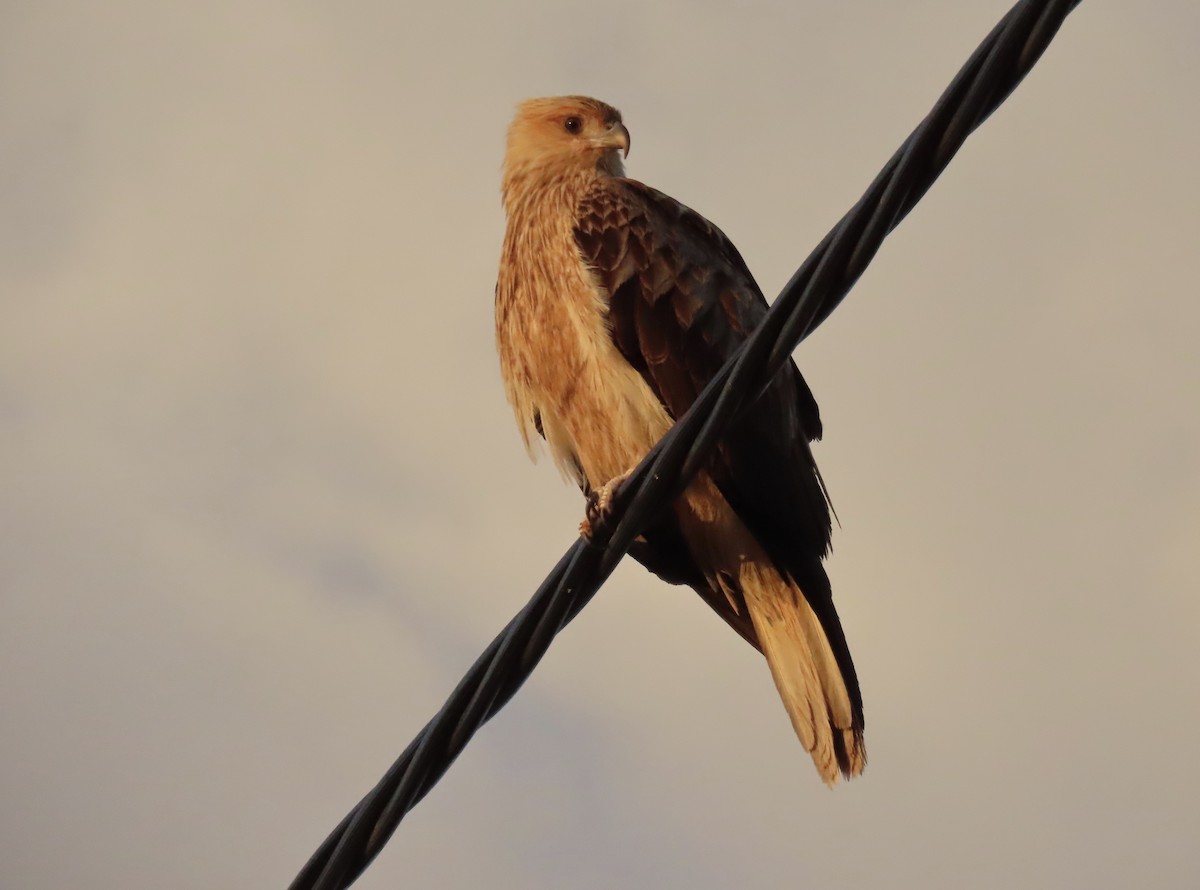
(681, 301)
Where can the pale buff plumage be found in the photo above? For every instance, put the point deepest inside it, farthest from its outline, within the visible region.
(568, 381)
(559, 365)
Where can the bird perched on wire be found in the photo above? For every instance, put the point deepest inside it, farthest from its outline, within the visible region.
(615, 305)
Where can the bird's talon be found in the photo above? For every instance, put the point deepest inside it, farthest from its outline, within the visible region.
(599, 506)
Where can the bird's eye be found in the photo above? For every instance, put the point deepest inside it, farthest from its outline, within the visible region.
(573, 124)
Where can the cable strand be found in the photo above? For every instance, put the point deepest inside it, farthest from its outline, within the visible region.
(989, 76)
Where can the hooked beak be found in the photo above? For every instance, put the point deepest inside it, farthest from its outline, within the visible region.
(618, 137)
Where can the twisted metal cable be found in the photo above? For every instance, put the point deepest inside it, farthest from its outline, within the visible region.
(993, 71)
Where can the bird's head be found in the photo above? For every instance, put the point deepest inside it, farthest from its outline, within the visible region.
(566, 134)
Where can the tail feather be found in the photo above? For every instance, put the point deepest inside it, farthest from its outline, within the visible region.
(805, 671)
(819, 693)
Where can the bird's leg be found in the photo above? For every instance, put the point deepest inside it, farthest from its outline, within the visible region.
(599, 504)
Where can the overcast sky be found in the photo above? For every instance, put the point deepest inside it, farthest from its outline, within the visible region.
(262, 502)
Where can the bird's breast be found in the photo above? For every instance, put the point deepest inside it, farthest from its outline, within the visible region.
(564, 375)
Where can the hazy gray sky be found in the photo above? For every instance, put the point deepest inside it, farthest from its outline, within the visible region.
(262, 501)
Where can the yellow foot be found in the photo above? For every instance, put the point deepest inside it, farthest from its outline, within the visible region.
(599, 504)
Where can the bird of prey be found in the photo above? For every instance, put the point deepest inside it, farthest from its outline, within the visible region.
(615, 305)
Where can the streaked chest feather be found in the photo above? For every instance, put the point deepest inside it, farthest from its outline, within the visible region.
(561, 370)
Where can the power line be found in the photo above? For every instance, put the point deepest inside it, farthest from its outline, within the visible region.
(993, 71)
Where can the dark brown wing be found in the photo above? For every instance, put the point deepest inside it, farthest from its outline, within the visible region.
(681, 302)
